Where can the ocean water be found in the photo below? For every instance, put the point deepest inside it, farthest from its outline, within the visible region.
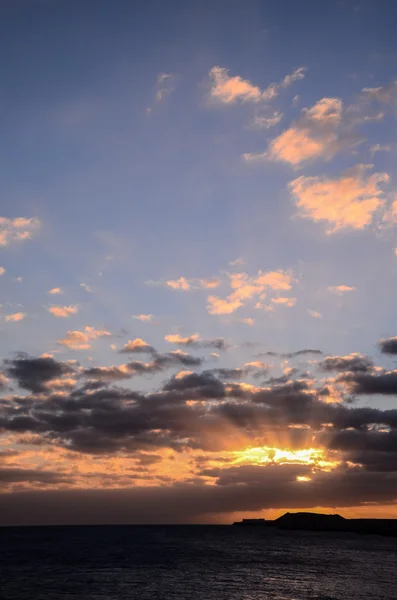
(193, 562)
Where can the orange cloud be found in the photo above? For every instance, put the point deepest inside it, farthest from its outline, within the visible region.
(247, 321)
(63, 311)
(320, 132)
(81, 340)
(341, 289)
(182, 374)
(277, 280)
(285, 301)
(2, 270)
(210, 283)
(17, 230)
(15, 317)
(143, 318)
(347, 202)
(179, 284)
(178, 339)
(294, 146)
(55, 290)
(314, 313)
(135, 345)
(245, 288)
(227, 90)
(217, 306)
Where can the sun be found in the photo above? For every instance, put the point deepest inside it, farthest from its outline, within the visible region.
(314, 457)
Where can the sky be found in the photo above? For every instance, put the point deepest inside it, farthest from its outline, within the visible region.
(198, 260)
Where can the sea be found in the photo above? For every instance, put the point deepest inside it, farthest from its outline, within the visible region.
(193, 563)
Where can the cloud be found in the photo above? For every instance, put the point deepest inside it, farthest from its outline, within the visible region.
(17, 229)
(276, 280)
(237, 262)
(348, 202)
(384, 383)
(321, 131)
(386, 94)
(388, 346)
(390, 215)
(165, 85)
(238, 489)
(3, 381)
(13, 318)
(380, 148)
(101, 374)
(34, 374)
(2, 271)
(254, 156)
(228, 90)
(209, 283)
(295, 146)
(182, 341)
(217, 306)
(284, 301)
(71, 409)
(16, 475)
(247, 321)
(63, 311)
(81, 340)
(314, 314)
(302, 352)
(179, 284)
(246, 288)
(191, 410)
(340, 290)
(143, 318)
(195, 341)
(263, 122)
(86, 287)
(352, 362)
(55, 290)
(137, 346)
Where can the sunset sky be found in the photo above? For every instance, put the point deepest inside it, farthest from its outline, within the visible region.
(198, 260)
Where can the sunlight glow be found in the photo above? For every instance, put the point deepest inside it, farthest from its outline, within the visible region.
(315, 457)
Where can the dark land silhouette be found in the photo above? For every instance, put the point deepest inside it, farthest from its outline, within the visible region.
(307, 521)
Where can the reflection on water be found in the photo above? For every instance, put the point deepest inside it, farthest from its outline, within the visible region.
(193, 562)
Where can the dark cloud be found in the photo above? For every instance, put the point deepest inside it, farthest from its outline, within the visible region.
(146, 460)
(115, 419)
(383, 382)
(160, 362)
(374, 450)
(206, 383)
(229, 373)
(388, 346)
(291, 354)
(3, 382)
(34, 374)
(239, 490)
(377, 441)
(353, 362)
(176, 358)
(192, 342)
(16, 475)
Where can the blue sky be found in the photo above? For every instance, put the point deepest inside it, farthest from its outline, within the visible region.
(225, 168)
